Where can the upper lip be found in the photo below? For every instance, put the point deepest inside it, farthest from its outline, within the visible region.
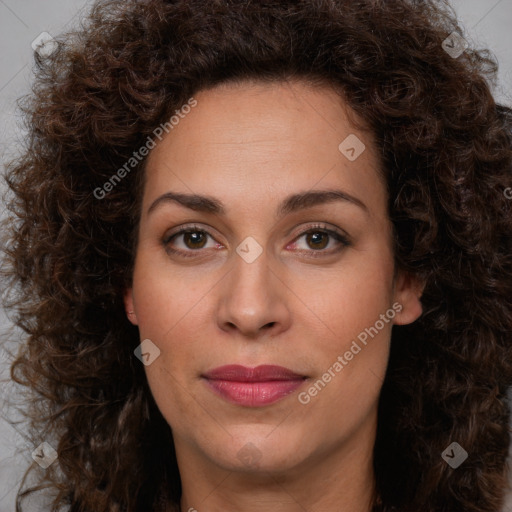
(238, 373)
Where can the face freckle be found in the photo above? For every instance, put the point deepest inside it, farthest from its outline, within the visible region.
(265, 240)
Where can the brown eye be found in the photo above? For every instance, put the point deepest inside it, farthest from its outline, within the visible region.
(196, 239)
(189, 241)
(318, 239)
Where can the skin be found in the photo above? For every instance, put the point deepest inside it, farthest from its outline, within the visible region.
(250, 145)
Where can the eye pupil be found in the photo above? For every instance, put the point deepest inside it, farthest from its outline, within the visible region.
(196, 236)
(317, 237)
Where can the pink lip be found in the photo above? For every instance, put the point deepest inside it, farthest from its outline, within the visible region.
(253, 387)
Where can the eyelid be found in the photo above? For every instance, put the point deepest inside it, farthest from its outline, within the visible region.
(324, 226)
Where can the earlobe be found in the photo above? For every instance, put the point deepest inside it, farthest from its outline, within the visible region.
(129, 306)
(408, 291)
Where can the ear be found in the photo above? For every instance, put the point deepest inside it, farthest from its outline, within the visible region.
(408, 291)
(129, 306)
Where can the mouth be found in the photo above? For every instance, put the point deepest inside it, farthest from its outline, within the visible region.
(253, 387)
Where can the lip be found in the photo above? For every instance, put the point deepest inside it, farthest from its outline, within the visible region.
(253, 387)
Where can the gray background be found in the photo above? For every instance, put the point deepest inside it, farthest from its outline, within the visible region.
(487, 23)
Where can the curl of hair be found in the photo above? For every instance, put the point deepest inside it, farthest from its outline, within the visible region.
(446, 152)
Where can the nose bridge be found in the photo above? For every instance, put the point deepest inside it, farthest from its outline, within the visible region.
(252, 299)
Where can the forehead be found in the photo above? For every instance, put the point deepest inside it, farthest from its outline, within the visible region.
(260, 137)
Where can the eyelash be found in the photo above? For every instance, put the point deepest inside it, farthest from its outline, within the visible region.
(317, 228)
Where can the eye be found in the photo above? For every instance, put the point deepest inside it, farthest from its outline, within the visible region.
(193, 238)
(318, 237)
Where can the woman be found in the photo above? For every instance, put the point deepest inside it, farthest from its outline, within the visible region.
(261, 255)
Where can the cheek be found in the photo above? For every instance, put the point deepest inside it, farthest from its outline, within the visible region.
(350, 298)
(163, 299)
(180, 406)
(356, 317)
(171, 315)
(351, 360)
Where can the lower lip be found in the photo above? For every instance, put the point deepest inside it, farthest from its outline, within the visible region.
(254, 394)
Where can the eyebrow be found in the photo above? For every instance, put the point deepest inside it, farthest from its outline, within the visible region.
(292, 203)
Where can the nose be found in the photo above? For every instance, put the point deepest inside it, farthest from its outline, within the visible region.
(253, 300)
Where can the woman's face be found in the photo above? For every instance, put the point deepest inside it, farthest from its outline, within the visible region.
(287, 261)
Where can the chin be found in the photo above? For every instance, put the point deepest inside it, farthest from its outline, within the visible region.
(260, 452)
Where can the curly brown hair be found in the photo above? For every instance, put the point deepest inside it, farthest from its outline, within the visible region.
(446, 148)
